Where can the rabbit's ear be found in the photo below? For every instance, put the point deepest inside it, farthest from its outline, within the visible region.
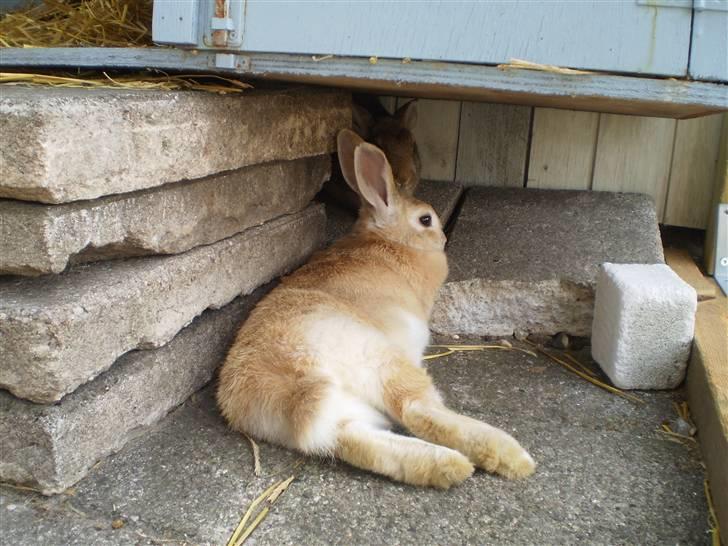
(374, 177)
(406, 115)
(361, 120)
(347, 141)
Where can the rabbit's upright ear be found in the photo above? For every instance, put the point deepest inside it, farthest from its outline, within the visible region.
(375, 180)
(406, 115)
(361, 120)
(347, 141)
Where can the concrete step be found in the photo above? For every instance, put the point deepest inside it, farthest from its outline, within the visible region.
(37, 238)
(50, 447)
(526, 261)
(63, 145)
(604, 476)
(58, 332)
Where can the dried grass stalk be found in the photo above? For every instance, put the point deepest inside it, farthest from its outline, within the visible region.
(211, 83)
(713, 518)
(68, 23)
(270, 496)
(256, 456)
(528, 65)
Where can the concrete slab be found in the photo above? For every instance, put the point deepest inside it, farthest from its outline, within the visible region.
(51, 447)
(605, 476)
(443, 196)
(37, 239)
(526, 261)
(57, 332)
(64, 145)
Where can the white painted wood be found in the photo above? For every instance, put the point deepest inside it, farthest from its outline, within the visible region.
(633, 155)
(563, 144)
(493, 144)
(709, 52)
(592, 34)
(599, 92)
(694, 160)
(175, 21)
(436, 134)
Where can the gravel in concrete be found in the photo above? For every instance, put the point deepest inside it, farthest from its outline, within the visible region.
(37, 239)
(526, 261)
(63, 145)
(57, 332)
(605, 476)
(50, 447)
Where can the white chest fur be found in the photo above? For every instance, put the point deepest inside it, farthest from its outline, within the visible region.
(411, 334)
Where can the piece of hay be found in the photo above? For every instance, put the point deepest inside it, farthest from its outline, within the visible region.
(270, 496)
(528, 65)
(69, 23)
(256, 456)
(455, 348)
(589, 378)
(712, 518)
(211, 83)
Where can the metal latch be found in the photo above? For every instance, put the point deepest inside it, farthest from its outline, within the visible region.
(721, 248)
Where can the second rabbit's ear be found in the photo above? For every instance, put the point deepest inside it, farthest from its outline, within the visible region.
(346, 142)
(406, 115)
(361, 120)
(374, 178)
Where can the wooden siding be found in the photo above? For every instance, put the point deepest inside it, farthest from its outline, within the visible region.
(504, 145)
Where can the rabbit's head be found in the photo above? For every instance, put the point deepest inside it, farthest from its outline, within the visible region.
(394, 135)
(386, 210)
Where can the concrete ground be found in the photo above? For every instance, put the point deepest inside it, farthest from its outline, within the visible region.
(605, 476)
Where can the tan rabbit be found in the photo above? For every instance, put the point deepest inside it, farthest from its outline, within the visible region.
(333, 355)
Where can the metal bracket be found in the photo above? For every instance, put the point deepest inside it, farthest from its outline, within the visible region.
(222, 23)
(721, 248)
(230, 61)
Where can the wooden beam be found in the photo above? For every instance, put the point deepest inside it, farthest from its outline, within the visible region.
(707, 390)
(598, 92)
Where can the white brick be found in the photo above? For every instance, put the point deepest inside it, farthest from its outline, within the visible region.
(644, 319)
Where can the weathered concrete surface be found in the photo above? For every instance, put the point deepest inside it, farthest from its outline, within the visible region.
(50, 447)
(605, 476)
(527, 260)
(57, 332)
(37, 239)
(443, 196)
(63, 145)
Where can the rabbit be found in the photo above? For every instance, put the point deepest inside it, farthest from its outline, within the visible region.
(394, 135)
(333, 355)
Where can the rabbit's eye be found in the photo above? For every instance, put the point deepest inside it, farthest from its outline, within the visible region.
(426, 220)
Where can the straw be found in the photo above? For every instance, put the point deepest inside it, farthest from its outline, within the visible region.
(68, 23)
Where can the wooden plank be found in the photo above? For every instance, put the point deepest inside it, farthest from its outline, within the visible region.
(563, 144)
(692, 175)
(596, 92)
(707, 392)
(720, 195)
(493, 144)
(682, 263)
(592, 34)
(709, 44)
(436, 134)
(633, 155)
